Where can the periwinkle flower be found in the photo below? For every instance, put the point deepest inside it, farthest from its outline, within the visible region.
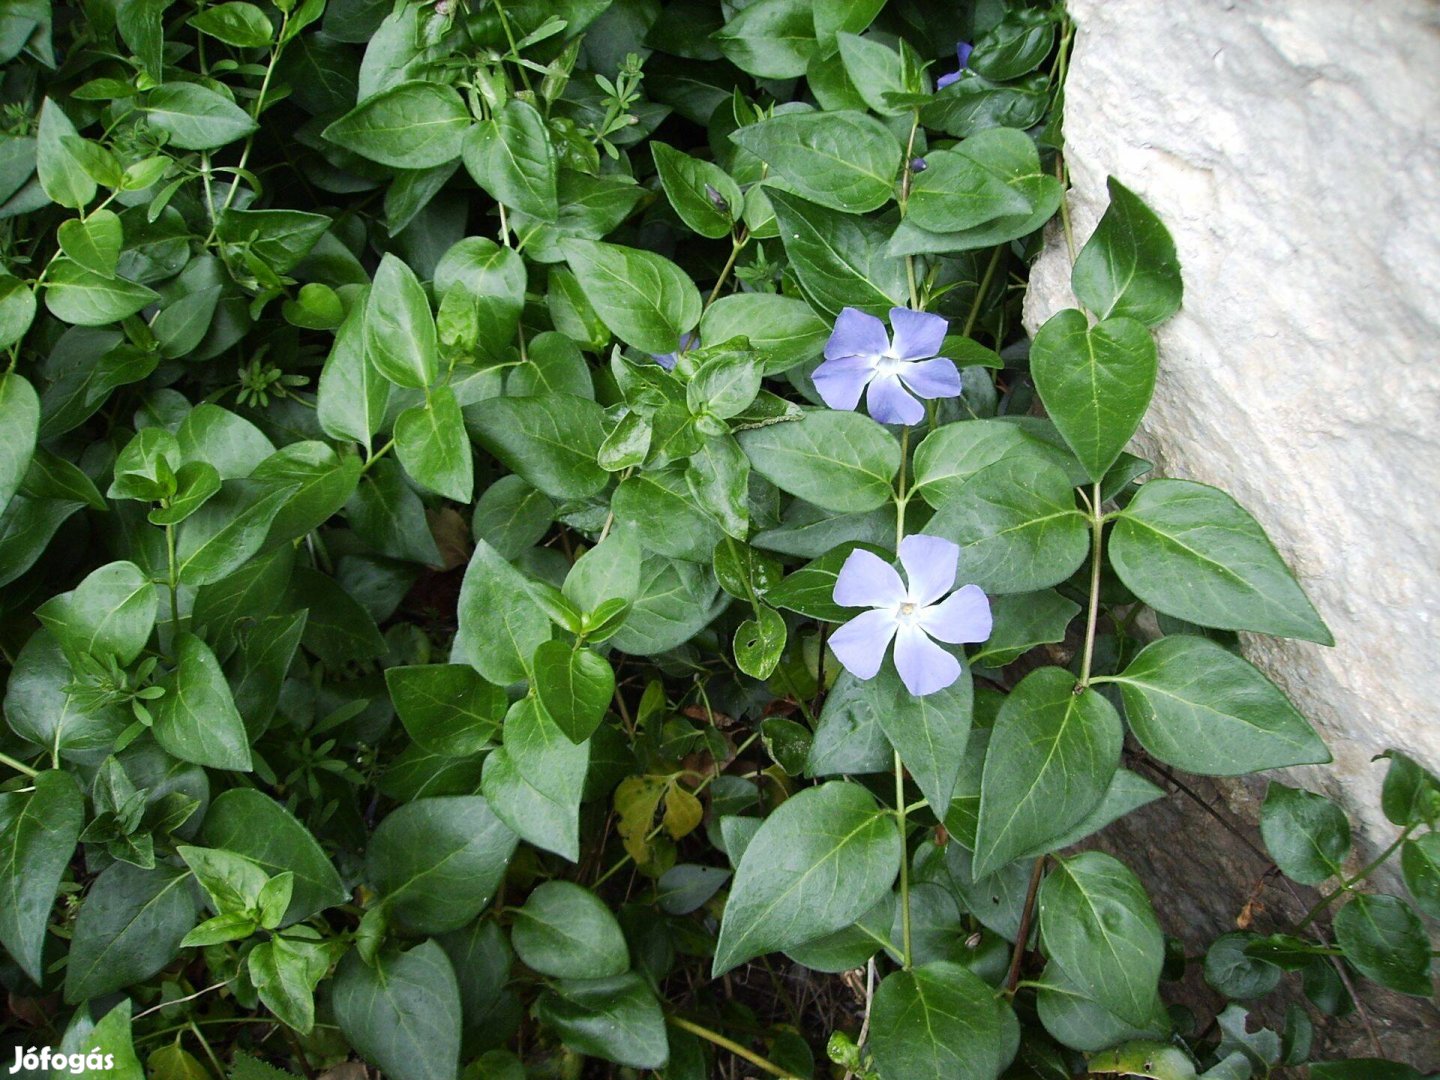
(668, 360)
(963, 49)
(860, 354)
(912, 615)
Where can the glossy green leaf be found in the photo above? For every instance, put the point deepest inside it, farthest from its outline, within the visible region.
(551, 440)
(399, 331)
(196, 720)
(1386, 941)
(817, 864)
(411, 125)
(501, 625)
(617, 1019)
(839, 461)
(110, 613)
(839, 260)
(352, 394)
(128, 929)
(17, 309)
(222, 535)
(1128, 267)
(1051, 758)
(782, 329)
(1097, 924)
(1021, 622)
(434, 447)
(957, 192)
(510, 156)
(1095, 381)
(61, 176)
(93, 242)
(196, 117)
(770, 39)
(760, 643)
(19, 422)
(1420, 865)
(1017, 526)
(574, 687)
(1191, 551)
(644, 298)
(567, 932)
(702, 193)
(845, 160)
(1306, 834)
(929, 733)
(437, 863)
(1198, 706)
(535, 780)
(76, 295)
(447, 709)
(402, 1012)
(38, 831)
(941, 1019)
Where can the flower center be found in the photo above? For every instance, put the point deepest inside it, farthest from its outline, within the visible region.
(889, 365)
(907, 611)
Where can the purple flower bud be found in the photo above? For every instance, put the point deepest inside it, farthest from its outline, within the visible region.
(963, 49)
(917, 165)
(716, 199)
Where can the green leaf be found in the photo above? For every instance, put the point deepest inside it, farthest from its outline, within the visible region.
(1420, 864)
(689, 183)
(1241, 977)
(1015, 46)
(320, 483)
(412, 125)
(535, 780)
(110, 1040)
(645, 299)
(617, 1019)
(93, 242)
(845, 160)
(660, 507)
(196, 720)
(1128, 267)
(252, 824)
(551, 440)
(1017, 525)
(760, 643)
(437, 863)
(231, 443)
(1410, 794)
(399, 330)
(567, 932)
(941, 1019)
(285, 972)
(1191, 551)
(19, 422)
(874, 68)
(446, 708)
(280, 238)
(839, 260)
(352, 395)
(232, 882)
(434, 447)
(61, 175)
(511, 516)
(1195, 705)
(1052, 755)
(242, 25)
(38, 832)
(840, 461)
(574, 687)
(387, 515)
(1386, 942)
(1306, 834)
(1022, 621)
(196, 117)
(956, 192)
(929, 733)
(403, 1013)
(770, 39)
(1095, 381)
(818, 863)
(129, 927)
(510, 156)
(222, 535)
(501, 625)
(782, 329)
(110, 613)
(1097, 924)
(17, 310)
(76, 295)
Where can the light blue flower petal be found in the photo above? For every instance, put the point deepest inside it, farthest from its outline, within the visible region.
(924, 667)
(891, 403)
(841, 382)
(860, 644)
(937, 378)
(918, 334)
(963, 618)
(857, 334)
(866, 580)
(929, 563)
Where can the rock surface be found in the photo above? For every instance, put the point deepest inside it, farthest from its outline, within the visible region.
(1293, 150)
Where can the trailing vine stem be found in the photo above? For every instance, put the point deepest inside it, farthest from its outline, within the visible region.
(1348, 883)
(1027, 914)
(901, 811)
(1092, 617)
(729, 1044)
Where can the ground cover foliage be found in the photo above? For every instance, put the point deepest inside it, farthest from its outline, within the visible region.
(439, 446)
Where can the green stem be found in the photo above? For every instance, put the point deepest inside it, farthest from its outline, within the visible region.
(172, 578)
(902, 496)
(901, 814)
(514, 50)
(737, 245)
(1092, 617)
(376, 456)
(1346, 884)
(982, 292)
(728, 1044)
(6, 759)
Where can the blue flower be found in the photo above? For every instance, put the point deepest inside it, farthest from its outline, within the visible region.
(860, 354)
(963, 49)
(914, 616)
(668, 360)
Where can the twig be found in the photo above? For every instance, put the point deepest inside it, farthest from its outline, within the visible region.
(1027, 913)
